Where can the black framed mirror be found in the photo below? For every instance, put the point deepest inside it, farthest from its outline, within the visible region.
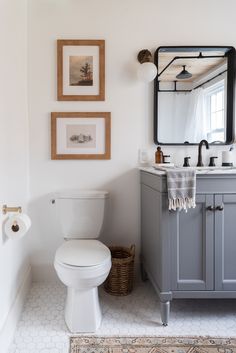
(194, 95)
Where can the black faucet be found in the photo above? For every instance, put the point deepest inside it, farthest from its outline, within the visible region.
(201, 143)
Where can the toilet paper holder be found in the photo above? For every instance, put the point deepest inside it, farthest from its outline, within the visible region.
(6, 209)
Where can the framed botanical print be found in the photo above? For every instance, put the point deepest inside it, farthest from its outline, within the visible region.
(80, 70)
(80, 135)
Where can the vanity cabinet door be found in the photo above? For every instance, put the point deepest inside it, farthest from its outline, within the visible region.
(225, 242)
(192, 239)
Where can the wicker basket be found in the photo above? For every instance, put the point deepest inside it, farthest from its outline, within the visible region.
(121, 276)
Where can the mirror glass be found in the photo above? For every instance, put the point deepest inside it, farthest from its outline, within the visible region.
(194, 95)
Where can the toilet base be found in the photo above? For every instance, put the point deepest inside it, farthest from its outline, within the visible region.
(82, 310)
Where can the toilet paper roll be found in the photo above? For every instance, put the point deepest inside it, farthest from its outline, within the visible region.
(16, 226)
(227, 158)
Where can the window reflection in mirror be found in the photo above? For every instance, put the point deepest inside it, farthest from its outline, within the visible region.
(193, 98)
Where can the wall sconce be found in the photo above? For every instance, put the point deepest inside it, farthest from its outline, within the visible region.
(147, 71)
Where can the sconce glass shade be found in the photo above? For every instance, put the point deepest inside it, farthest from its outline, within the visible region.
(147, 72)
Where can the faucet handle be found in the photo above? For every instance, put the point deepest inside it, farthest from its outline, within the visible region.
(212, 162)
(186, 162)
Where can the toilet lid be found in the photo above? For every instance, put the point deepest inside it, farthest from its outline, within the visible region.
(82, 253)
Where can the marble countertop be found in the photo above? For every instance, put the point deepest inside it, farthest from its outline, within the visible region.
(199, 170)
(152, 170)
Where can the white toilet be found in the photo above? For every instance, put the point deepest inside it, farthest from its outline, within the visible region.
(81, 262)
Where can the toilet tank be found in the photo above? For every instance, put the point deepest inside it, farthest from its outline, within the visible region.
(81, 213)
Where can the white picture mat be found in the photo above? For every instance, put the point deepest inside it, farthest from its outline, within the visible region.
(80, 50)
(61, 147)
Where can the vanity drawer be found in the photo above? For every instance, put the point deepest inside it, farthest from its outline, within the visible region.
(216, 184)
(156, 182)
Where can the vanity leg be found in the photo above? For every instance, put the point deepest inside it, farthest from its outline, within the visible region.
(165, 312)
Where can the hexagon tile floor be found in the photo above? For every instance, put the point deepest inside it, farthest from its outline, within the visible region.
(42, 329)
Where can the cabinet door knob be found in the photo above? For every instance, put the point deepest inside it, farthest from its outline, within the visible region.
(219, 208)
(210, 208)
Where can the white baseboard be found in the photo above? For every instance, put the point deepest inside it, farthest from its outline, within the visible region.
(8, 330)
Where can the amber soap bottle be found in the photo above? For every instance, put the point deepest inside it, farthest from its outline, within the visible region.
(159, 155)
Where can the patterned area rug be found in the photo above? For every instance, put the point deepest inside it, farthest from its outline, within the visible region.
(95, 344)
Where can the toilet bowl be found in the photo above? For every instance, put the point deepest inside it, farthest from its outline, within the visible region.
(82, 263)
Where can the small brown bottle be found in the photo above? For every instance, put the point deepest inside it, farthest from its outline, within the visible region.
(159, 155)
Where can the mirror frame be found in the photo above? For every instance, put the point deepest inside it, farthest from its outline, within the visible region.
(230, 133)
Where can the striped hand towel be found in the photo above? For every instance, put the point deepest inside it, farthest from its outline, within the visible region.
(181, 185)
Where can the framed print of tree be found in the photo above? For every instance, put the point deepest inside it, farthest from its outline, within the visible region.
(80, 70)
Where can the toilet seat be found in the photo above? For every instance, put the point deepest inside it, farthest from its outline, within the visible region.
(82, 253)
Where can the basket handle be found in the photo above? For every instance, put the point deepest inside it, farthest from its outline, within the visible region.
(132, 249)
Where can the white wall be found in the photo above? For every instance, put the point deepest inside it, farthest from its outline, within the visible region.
(127, 26)
(14, 262)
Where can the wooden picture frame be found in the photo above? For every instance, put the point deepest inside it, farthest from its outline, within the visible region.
(81, 135)
(80, 70)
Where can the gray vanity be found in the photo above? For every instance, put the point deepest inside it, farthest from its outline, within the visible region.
(193, 254)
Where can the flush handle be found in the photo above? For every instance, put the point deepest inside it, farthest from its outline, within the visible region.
(210, 208)
(219, 208)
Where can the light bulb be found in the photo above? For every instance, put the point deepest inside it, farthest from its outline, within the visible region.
(147, 72)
